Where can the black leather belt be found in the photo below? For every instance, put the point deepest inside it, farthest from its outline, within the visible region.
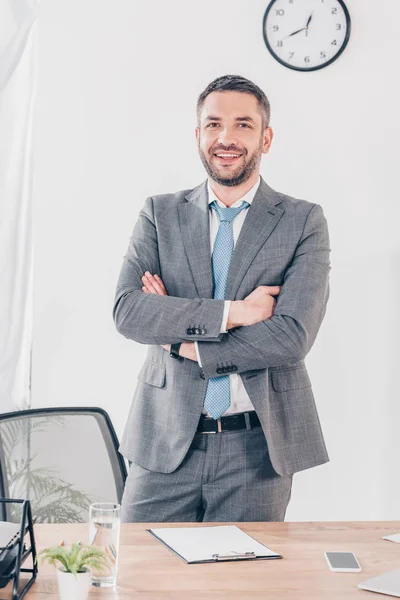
(228, 423)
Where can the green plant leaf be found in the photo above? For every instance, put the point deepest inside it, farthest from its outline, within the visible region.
(77, 558)
(57, 553)
(94, 557)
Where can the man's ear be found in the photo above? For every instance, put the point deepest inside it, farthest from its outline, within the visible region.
(268, 137)
(197, 133)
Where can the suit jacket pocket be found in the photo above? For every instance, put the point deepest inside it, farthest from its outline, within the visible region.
(153, 374)
(290, 378)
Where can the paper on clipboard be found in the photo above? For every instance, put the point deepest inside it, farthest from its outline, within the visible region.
(210, 544)
(395, 537)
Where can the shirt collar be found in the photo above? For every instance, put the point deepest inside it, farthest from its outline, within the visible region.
(249, 197)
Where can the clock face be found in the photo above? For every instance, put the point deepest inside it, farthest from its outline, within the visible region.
(306, 35)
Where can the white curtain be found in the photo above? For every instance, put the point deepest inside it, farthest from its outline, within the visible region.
(17, 95)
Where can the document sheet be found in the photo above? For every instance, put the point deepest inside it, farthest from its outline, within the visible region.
(387, 583)
(201, 544)
(392, 538)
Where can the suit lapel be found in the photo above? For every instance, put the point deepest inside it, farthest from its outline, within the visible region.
(195, 229)
(261, 219)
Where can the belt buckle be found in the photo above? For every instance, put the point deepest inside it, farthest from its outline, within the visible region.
(219, 428)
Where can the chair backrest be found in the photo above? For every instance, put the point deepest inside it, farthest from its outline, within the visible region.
(62, 460)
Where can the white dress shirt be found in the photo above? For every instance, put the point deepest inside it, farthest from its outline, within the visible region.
(240, 401)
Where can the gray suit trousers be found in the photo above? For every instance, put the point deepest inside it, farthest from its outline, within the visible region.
(224, 477)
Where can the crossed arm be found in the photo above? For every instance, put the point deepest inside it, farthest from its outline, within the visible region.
(257, 306)
(288, 335)
(284, 338)
(163, 319)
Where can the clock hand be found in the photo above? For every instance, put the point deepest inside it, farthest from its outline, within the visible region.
(294, 32)
(308, 22)
(302, 29)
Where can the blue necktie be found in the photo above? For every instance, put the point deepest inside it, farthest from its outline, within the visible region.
(218, 397)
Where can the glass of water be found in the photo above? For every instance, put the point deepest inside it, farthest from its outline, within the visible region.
(104, 526)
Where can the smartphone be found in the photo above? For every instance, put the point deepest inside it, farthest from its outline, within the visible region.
(342, 562)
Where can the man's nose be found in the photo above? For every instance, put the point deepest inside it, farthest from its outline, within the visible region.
(227, 136)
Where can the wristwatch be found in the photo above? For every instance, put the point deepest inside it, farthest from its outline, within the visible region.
(174, 352)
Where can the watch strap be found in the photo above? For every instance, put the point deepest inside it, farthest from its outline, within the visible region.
(174, 352)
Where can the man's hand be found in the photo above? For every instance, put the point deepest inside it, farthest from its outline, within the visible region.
(152, 284)
(256, 307)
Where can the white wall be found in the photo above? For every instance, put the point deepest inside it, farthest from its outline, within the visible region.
(118, 82)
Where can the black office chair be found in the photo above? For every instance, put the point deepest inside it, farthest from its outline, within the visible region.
(62, 460)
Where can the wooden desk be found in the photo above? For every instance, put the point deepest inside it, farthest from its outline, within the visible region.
(150, 571)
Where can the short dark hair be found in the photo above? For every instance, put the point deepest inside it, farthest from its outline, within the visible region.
(236, 83)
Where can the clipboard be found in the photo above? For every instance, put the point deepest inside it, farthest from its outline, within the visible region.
(196, 545)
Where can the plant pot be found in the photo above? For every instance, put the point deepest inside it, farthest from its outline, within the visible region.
(73, 587)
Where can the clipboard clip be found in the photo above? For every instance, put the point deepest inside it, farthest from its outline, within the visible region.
(233, 555)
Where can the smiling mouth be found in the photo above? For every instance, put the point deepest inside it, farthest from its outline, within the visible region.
(227, 157)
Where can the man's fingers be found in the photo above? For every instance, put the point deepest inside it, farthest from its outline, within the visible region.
(272, 290)
(159, 280)
(149, 284)
(152, 284)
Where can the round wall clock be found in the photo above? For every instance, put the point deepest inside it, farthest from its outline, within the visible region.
(306, 35)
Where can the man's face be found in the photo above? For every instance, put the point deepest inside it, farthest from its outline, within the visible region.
(231, 136)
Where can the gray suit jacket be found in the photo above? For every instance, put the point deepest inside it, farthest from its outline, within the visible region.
(283, 242)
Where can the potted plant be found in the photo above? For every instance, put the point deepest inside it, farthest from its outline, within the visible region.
(73, 568)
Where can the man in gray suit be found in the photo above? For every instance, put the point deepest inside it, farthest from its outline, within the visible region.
(227, 284)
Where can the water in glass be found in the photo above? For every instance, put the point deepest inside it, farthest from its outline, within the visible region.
(104, 523)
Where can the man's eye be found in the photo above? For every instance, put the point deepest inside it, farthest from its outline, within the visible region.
(210, 125)
(244, 125)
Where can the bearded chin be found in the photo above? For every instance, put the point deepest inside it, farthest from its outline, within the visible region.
(242, 174)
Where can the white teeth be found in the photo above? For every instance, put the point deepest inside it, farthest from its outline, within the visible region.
(228, 155)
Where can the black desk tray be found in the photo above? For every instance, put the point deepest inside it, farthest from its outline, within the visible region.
(14, 554)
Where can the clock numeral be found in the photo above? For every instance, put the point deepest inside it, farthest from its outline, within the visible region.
(291, 54)
(334, 43)
(280, 44)
(338, 26)
(334, 11)
(323, 54)
(306, 59)
(280, 12)
(275, 28)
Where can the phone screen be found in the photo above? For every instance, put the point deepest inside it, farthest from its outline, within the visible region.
(342, 560)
